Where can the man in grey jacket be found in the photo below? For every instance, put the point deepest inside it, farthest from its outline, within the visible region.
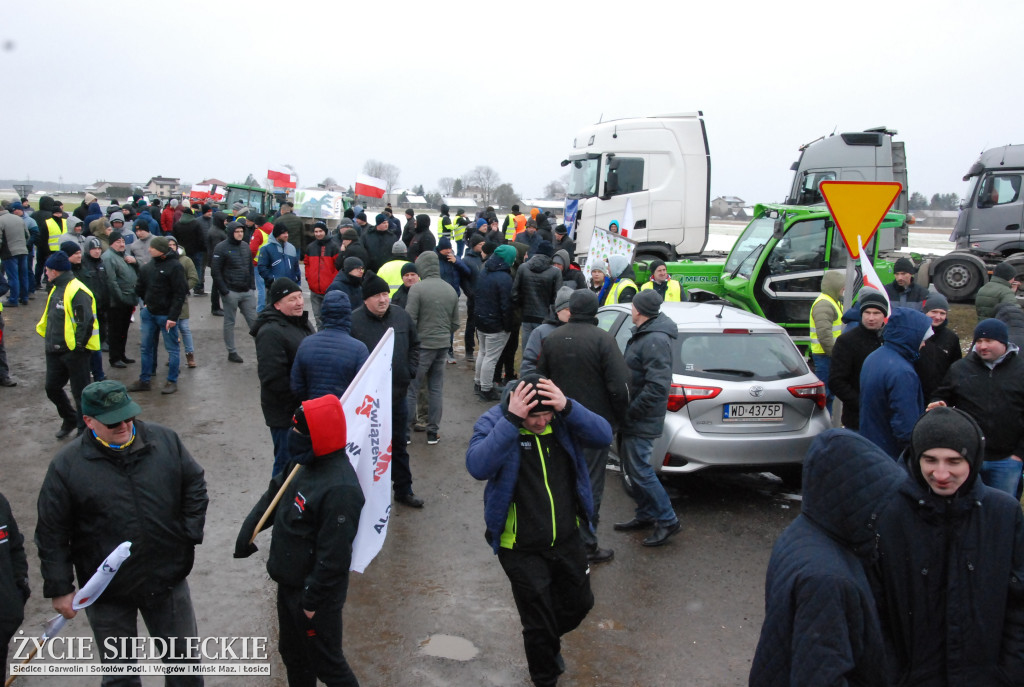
(139, 248)
(434, 307)
(14, 253)
(649, 358)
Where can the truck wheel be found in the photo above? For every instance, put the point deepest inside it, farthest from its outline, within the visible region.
(957, 280)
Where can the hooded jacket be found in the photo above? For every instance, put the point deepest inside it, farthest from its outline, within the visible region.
(457, 274)
(891, 400)
(823, 313)
(535, 286)
(992, 294)
(162, 286)
(493, 297)
(820, 625)
(433, 304)
(328, 361)
(318, 258)
(349, 285)
(153, 493)
(277, 341)
(14, 589)
(949, 583)
(231, 267)
(93, 214)
(649, 359)
(189, 233)
(422, 240)
(571, 276)
(218, 232)
(994, 397)
(1012, 316)
(405, 359)
(494, 455)
(93, 273)
(40, 216)
(278, 259)
(940, 351)
(121, 279)
(378, 247)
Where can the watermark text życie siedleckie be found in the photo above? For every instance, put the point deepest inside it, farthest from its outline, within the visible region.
(117, 649)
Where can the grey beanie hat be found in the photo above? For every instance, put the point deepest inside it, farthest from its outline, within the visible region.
(562, 297)
(648, 302)
(947, 428)
(1004, 270)
(599, 265)
(399, 248)
(935, 301)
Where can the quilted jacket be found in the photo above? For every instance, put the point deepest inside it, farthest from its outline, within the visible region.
(327, 362)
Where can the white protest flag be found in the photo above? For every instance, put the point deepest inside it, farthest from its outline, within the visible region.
(627, 219)
(85, 596)
(870, 277)
(367, 406)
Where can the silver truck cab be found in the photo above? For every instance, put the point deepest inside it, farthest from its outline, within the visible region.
(992, 209)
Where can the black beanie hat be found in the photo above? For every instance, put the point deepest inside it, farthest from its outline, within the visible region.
(1005, 270)
(373, 286)
(69, 248)
(280, 229)
(583, 304)
(545, 248)
(647, 302)
(422, 221)
(114, 236)
(655, 264)
(281, 287)
(409, 267)
(904, 265)
(950, 428)
(542, 401)
(351, 263)
(870, 298)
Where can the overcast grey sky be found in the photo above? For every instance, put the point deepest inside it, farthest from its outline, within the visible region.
(124, 90)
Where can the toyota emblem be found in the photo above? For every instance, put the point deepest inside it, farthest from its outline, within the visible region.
(756, 391)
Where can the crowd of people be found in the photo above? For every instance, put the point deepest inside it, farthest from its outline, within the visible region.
(926, 428)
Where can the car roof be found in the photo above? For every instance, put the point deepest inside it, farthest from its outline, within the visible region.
(709, 317)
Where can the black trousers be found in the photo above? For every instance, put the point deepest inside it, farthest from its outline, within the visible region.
(470, 339)
(62, 368)
(401, 473)
(311, 648)
(507, 362)
(552, 592)
(119, 319)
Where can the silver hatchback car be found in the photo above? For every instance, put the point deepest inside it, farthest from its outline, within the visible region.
(742, 396)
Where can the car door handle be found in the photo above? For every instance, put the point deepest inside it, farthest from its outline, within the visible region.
(1012, 227)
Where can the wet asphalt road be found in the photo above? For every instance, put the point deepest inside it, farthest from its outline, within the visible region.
(685, 614)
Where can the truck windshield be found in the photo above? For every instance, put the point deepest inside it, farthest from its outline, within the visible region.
(583, 177)
(750, 243)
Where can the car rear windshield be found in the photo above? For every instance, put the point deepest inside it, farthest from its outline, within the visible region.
(762, 356)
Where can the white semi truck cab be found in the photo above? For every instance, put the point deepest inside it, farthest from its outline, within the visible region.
(660, 166)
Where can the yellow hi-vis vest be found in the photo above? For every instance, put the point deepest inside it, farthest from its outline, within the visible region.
(70, 291)
(266, 240)
(616, 291)
(444, 229)
(458, 230)
(391, 272)
(54, 230)
(672, 293)
(510, 228)
(837, 324)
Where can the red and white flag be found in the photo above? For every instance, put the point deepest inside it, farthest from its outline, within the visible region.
(281, 179)
(367, 405)
(371, 187)
(870, 277)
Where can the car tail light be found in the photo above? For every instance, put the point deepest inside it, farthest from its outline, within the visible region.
(681, 394)
(735, 331)
(814, 392)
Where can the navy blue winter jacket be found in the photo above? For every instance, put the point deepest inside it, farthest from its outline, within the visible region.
(328, 361)
(891, 401)
(493, 455)
(493, 295)
(276, 261)
(455, 273)
(820, 625)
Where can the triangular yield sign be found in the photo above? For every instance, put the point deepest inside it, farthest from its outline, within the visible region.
(859, 207)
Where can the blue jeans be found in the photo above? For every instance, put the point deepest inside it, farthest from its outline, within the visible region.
(152, 327)
(822, 368)
(186, 335)
(653, 504)
(19, 278)
(1003, 475)
(261, 291)
(279, 435)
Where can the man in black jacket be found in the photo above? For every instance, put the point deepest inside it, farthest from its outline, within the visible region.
(852, 348)
(942, 348)
(903, 291)
(124, 480)
(163, 289)
(989, 386)
(649, 358)
(314, 525)
(14, 590)
(279, 329)
(369, 324)
(584, 362)
(949, 581)
(233, 278)
(494, 317)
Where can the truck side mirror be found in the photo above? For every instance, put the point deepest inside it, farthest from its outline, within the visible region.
(779, 228)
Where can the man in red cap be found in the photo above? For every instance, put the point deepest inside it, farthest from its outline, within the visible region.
(314, 524)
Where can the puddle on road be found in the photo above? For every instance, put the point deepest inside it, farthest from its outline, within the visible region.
(448, 646)
(608, 624)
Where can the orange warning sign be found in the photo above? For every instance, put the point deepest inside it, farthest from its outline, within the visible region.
(858, 207)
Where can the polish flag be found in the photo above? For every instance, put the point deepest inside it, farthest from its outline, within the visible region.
(281, 179)
(870, 276)
(371, 187)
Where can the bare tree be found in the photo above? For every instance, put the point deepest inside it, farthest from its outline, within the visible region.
(505, 196)
(555, 190)
(486, 179)
(383, 170)
(445, 185)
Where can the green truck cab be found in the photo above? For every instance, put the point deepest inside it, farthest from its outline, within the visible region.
(775, 267)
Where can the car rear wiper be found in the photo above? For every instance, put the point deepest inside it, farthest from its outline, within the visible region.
(729, 371)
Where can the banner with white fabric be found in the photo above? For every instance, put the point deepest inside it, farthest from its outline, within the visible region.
(367, 406)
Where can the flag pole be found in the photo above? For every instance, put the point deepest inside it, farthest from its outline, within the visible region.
(273, 504)
(12, 678)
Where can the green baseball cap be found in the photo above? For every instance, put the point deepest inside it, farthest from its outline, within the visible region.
(108, 401)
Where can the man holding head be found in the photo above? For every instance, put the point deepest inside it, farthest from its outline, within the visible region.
(529, 448)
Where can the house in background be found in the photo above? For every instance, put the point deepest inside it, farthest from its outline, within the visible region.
(728, 207)
(163, 187)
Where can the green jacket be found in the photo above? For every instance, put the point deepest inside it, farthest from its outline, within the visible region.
(993, 294)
